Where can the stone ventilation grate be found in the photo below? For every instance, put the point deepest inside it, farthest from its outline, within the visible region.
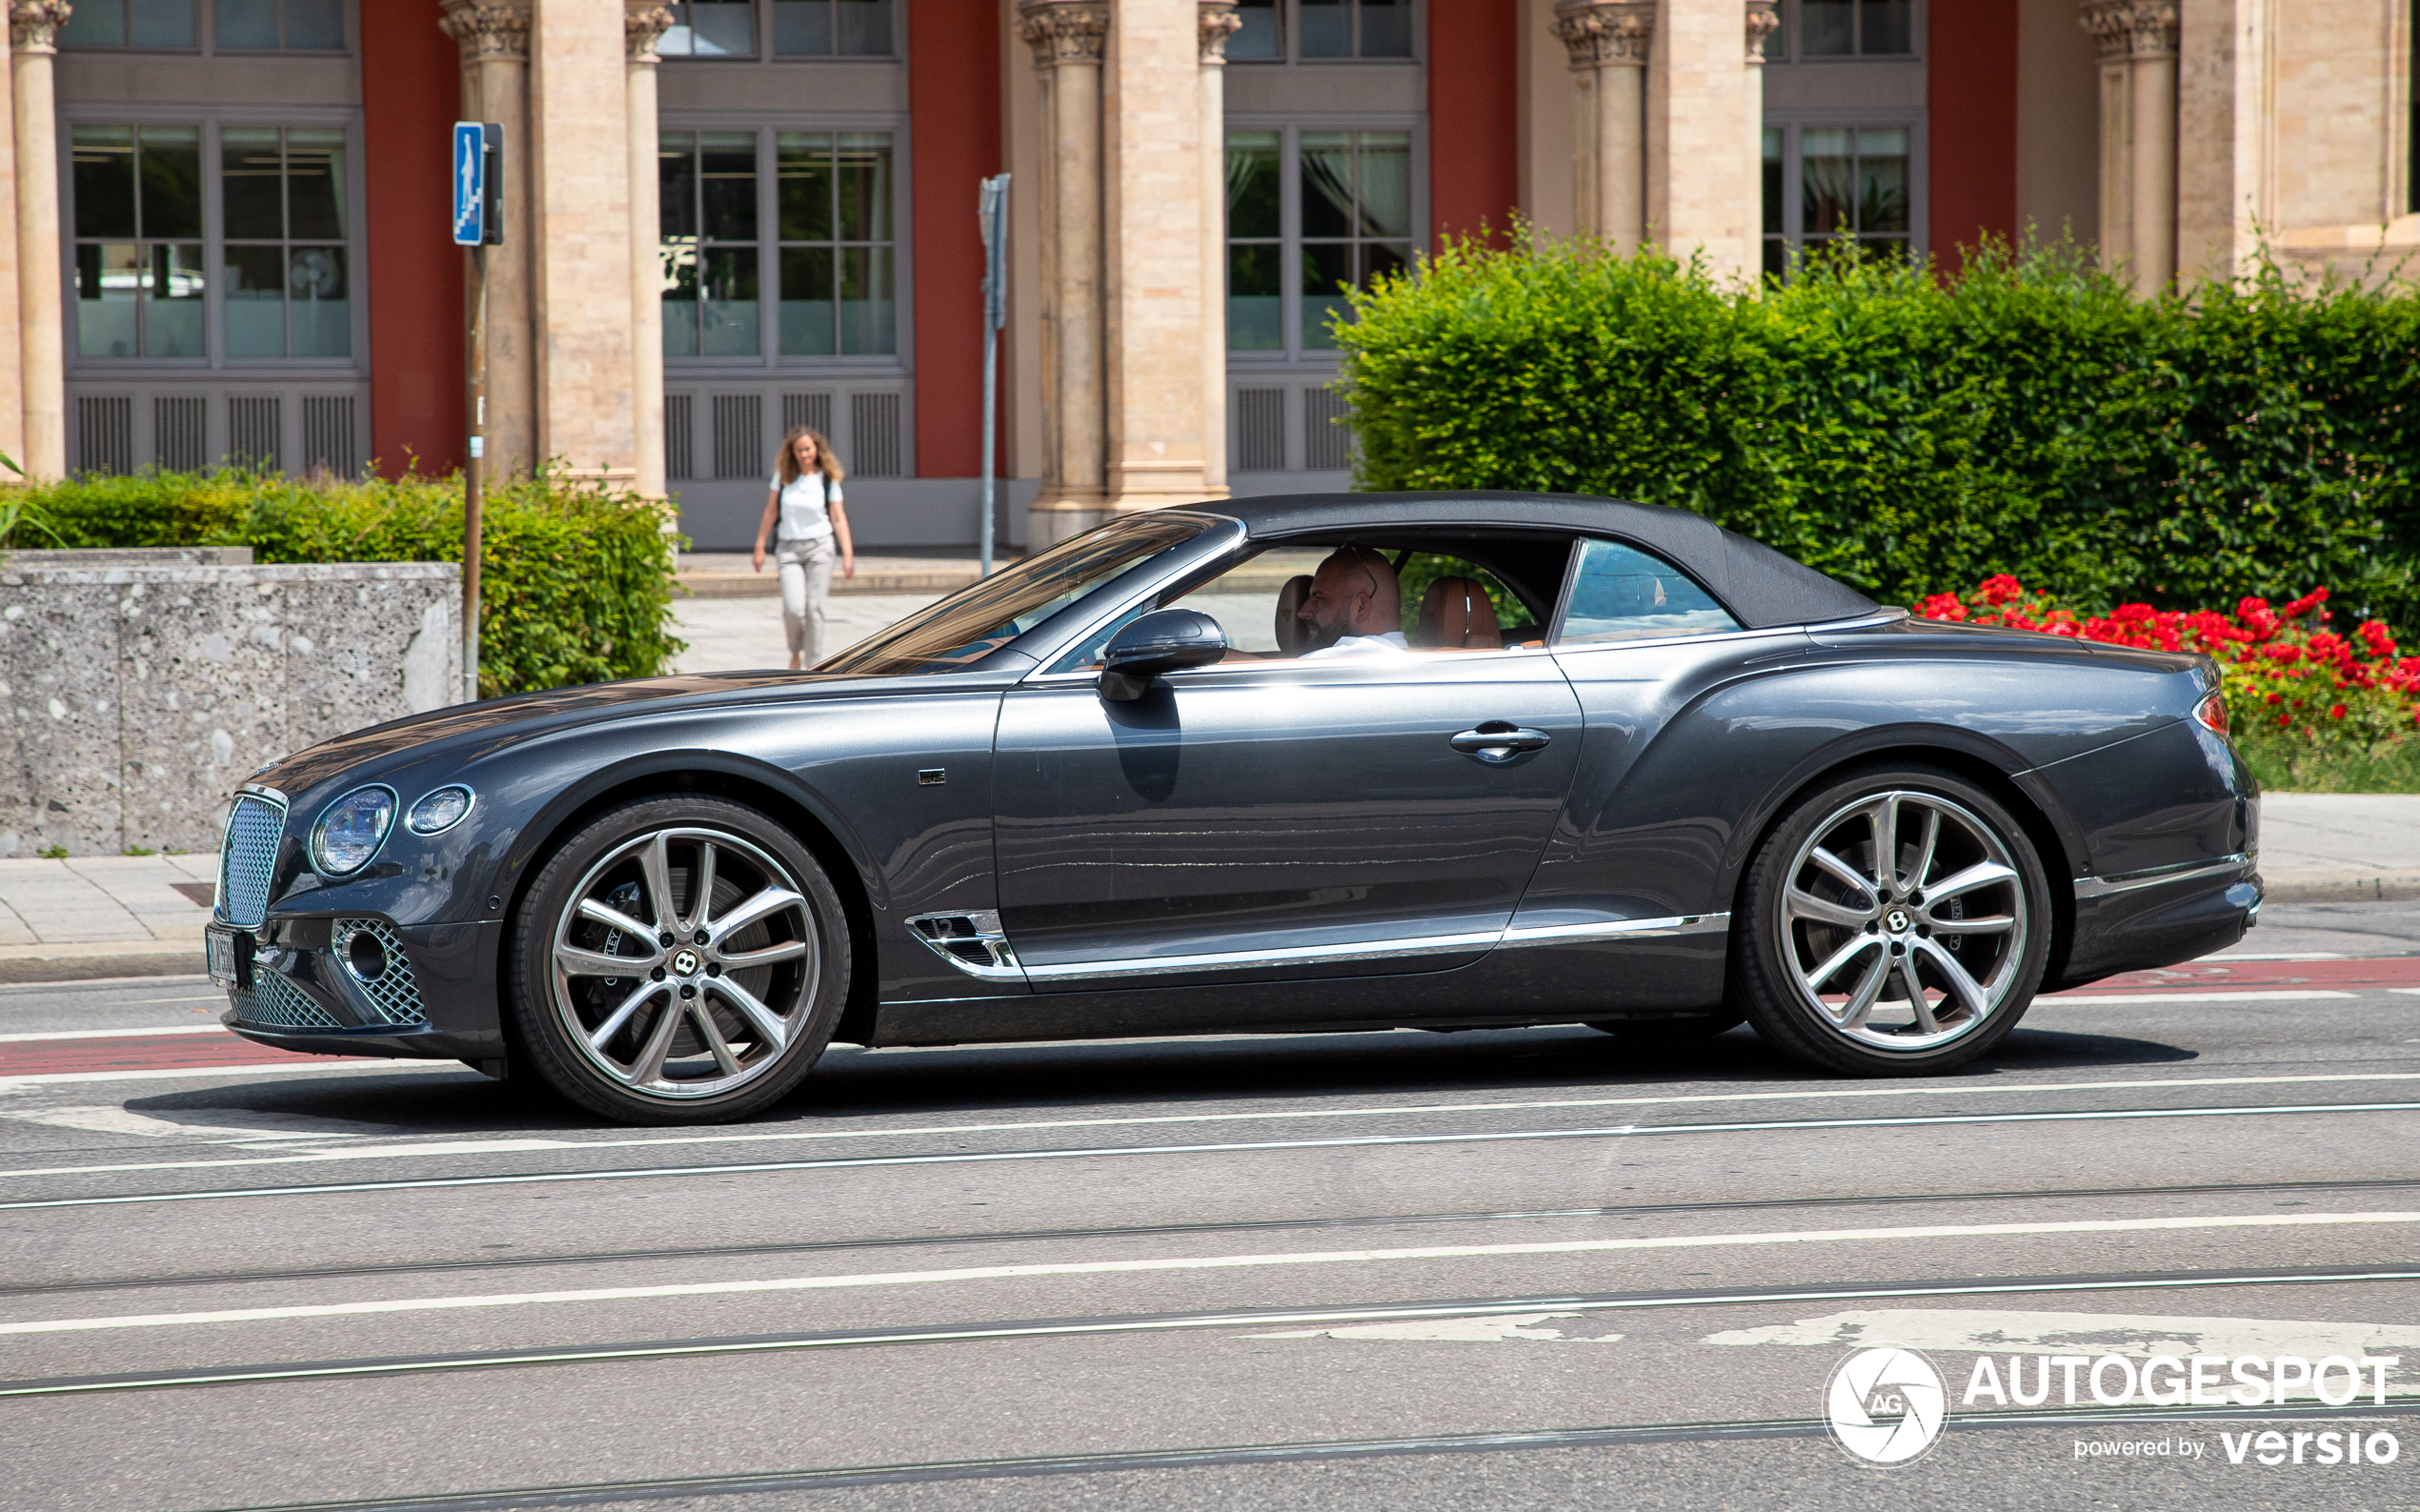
(253, 421)
(739, 430)
(814, 411)
(276, 1001)
(105, 432)
(180, 432)
(248, 860)
(396, 995)
(1326, 445)
(1260, 430)
(681, 446)
(329, 440)
(875, 434)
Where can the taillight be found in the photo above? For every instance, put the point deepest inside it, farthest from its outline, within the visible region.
(2210, 714)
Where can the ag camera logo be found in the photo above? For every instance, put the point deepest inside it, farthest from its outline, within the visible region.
(1887, 1407)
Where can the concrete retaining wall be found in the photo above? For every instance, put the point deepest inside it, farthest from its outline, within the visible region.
(139, 689)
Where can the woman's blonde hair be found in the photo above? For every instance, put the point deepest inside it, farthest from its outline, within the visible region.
(826, 463)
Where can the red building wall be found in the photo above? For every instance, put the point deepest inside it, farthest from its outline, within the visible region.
(1971, 88)
(953, 116)
(1474, 142)
(411, 83)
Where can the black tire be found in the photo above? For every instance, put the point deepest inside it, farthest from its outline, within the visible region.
(704, 1028)
(1806, 906)
(1662, 1034)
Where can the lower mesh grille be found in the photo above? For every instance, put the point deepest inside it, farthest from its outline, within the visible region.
(275, 1002)
(395, 996)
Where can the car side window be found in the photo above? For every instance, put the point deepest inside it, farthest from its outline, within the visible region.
(1621, 592)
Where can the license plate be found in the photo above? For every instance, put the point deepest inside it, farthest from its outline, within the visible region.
(231, 955)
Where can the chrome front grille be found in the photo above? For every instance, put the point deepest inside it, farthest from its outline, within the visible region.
(275, 1002)
(392, 993)
(248, 860)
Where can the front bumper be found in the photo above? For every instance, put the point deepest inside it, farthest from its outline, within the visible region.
(2160, 919)
(436, 998)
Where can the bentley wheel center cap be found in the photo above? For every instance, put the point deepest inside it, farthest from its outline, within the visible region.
(1896, 921)
(686, 964)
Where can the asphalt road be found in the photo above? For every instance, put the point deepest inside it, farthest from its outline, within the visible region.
(1498, 1270)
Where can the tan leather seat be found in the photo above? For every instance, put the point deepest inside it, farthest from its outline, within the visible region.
(1294, 636)
(1457, 615)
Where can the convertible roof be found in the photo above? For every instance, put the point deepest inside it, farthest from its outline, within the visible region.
(1759, 585)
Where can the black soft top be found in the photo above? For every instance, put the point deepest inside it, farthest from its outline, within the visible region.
(1759, 585)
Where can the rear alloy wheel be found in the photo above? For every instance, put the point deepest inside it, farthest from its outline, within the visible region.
(1897, 925)
(680, 961)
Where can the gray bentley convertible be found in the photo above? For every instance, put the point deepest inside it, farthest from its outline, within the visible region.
(1343, 761)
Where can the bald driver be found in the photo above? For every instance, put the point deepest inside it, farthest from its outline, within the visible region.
(1355, 606)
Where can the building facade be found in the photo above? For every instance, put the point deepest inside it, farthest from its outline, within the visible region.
(724, 218)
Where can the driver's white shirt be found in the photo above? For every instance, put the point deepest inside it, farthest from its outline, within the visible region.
(1362, 646)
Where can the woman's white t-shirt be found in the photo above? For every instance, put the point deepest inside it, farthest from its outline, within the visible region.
(803, 515)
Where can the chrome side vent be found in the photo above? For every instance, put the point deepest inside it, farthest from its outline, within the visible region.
(972, 943)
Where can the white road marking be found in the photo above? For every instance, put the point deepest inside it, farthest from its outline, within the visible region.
(2134, 1333)
(1210, 1263)
(114, 1033)
(1960, 1087)
(1451, 1330)
(2294, 995)
(242, 1124)
(2226, 955)
(290, 1065)
(1115, 1151)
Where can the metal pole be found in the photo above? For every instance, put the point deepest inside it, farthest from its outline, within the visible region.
(992, 212)
(471, 476)
(991, 409)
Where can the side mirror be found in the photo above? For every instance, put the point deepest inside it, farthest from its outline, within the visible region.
(1164, 640)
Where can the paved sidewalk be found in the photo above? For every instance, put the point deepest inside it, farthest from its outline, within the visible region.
(103, 916)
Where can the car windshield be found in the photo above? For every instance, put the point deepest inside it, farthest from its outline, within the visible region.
(974, 622)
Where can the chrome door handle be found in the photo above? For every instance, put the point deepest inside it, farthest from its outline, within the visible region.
(1500, 740)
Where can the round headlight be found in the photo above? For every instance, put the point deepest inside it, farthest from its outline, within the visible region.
(351, 831)
(441, 810)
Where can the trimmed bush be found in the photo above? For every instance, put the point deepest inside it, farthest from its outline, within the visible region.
(1899, 430)
(575, 581)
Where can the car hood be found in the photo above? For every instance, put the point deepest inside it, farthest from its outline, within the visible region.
(467, 732)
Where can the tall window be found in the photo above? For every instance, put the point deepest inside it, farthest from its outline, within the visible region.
(1322, 30)
(822, 256)
(1854, 28)
(1831, 183)
(235, 26)
(138, 241)
(801, 28)
(282, 197)
(1311, 215)
(130, 24)
(289, 25)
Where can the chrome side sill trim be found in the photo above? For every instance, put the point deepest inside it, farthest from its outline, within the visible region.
(2092, 887)
(1250, 960)
(1518, 936)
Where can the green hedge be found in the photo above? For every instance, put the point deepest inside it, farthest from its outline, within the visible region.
(575, 581)
(1909, 433)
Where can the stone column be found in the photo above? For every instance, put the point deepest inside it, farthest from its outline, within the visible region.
(1070, 39)
(2137, 42)
(643, 22)
(2226, 135)
(495, 38)
(1217, 22)
(579, 112)
(33, 27)
(1608, 43)
(11, 350)
(1697, 156)
(1763, 16)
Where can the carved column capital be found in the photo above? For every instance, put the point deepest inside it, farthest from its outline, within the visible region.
(1763, 16)
(644, 23)
(487, 29)
(1065, 31)
(33, 25)
(1601, 33)
(2132, 29)
(1219, 22)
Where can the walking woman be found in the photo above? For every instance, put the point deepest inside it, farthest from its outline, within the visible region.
(805, 498)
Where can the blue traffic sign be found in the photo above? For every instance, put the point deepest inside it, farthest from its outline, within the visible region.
(470, 183)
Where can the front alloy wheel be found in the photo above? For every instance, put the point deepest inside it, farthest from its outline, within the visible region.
(1898, 923)
(678, 962)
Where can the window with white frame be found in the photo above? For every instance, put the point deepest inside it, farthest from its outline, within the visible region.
(779, 29)
(779, 245)
(1311, 213)
(1850, 187)
(1322, 31)
(147, 260)
(215, 26)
